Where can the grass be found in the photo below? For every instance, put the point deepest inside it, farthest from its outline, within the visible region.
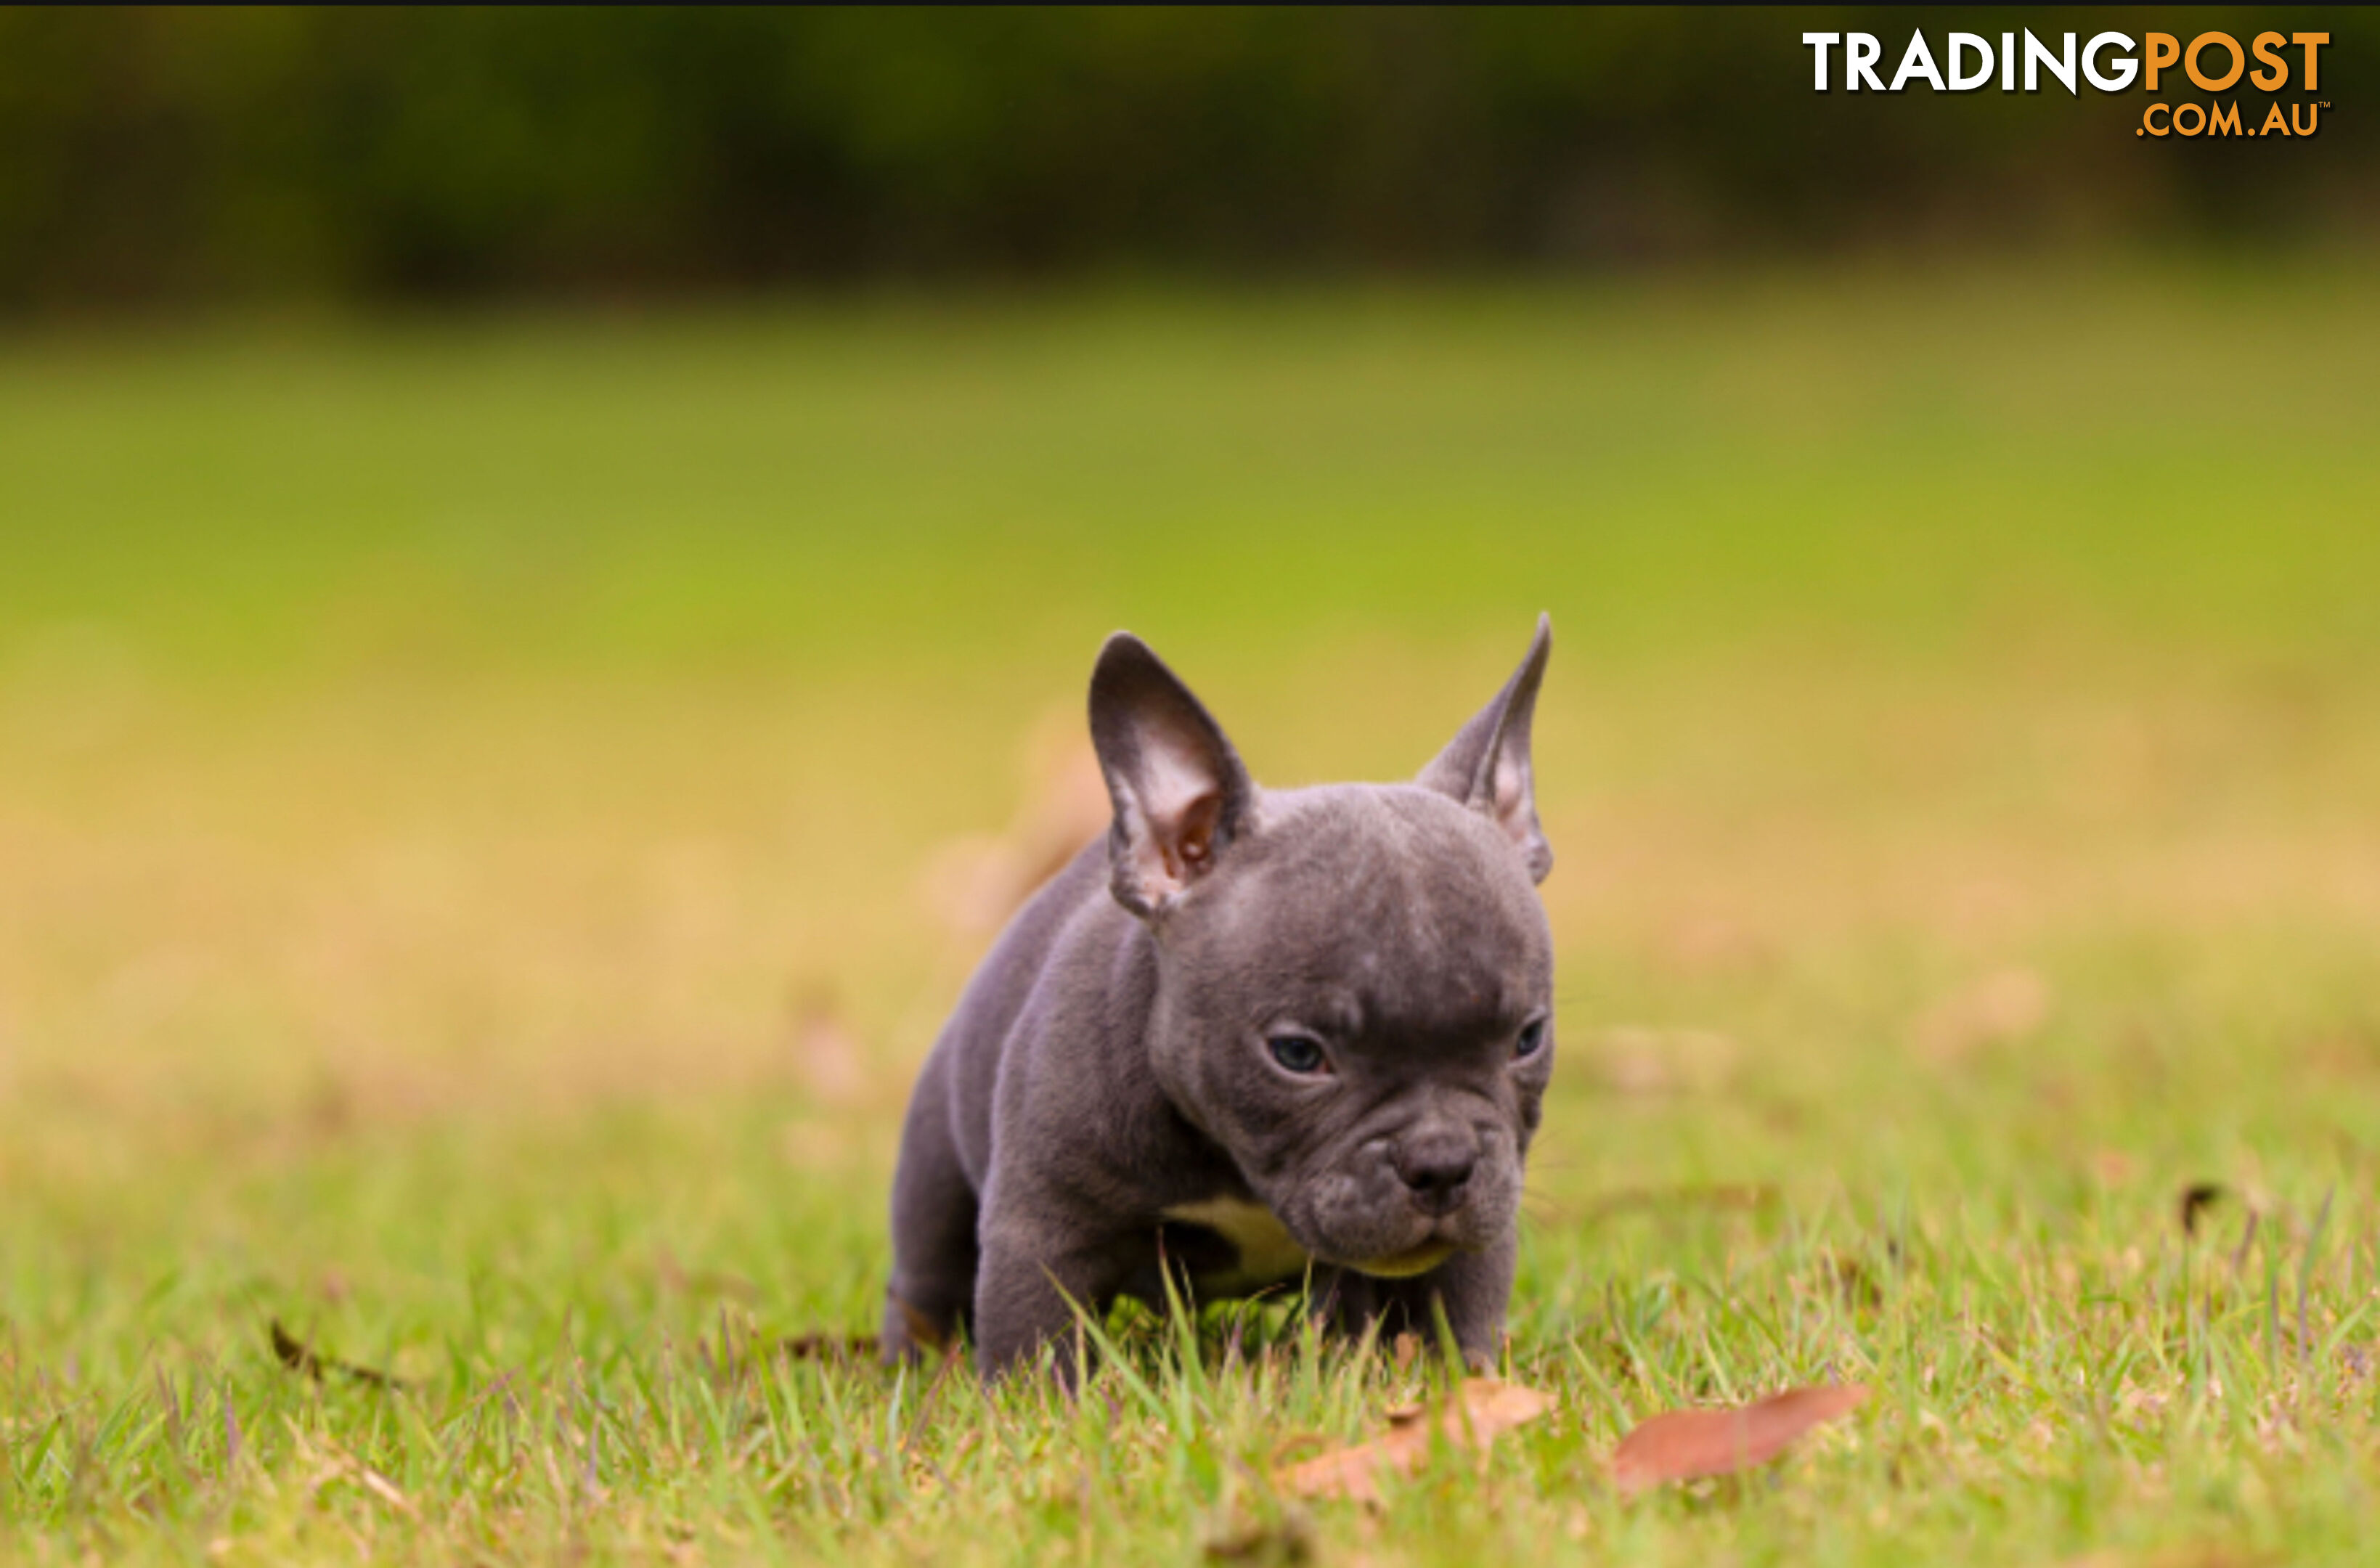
(465, 791)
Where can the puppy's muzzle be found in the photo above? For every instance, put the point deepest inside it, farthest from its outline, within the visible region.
(1436, 1166)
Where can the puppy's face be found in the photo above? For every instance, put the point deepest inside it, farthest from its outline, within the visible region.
(1355, 982)
(1358, 1006)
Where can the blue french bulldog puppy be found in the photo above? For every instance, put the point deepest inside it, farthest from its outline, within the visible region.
(1255, 1038)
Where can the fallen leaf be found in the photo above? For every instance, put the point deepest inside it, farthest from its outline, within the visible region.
(1683, 1444)
(1482, 1408)
(2196, 1200)
(827, 1346)
(299, 1357)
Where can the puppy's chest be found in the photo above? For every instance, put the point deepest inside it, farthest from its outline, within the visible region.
(1258, 1249)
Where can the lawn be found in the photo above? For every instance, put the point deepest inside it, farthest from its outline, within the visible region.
(480, 798)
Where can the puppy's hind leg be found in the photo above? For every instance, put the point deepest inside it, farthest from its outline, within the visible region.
(934, 1208)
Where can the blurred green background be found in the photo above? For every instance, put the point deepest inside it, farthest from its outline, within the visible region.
(607, 437)
(160, 156)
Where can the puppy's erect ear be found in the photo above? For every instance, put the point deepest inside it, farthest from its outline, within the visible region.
(1180, 792)
(1485, 766)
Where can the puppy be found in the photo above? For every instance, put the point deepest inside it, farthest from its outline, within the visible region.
(1255, 1038)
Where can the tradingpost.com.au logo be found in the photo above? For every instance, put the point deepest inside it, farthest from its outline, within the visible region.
(2110, 62)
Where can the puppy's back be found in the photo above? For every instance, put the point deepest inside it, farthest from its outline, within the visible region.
(1073, 908)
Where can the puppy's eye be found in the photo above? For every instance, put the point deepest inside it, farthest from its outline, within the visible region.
(1531, 1040)
(1299, 1053)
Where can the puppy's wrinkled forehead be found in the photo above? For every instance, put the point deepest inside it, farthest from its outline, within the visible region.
(1387, 908)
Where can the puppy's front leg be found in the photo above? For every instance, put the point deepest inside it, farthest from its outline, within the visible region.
(1343, 1301)
(1473, 1287)
(1036, 1271)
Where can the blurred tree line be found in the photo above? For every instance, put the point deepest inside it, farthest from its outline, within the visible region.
(161, 155)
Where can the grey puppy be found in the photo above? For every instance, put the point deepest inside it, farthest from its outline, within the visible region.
(1255, 1036)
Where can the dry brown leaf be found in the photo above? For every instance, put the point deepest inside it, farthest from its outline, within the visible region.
(2196, 1200)
(299, 1357)
(830, 1346)
(1683, 1444)
(1483, 1408)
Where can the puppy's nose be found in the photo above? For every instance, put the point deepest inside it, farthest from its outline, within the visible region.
(1434, 1168)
